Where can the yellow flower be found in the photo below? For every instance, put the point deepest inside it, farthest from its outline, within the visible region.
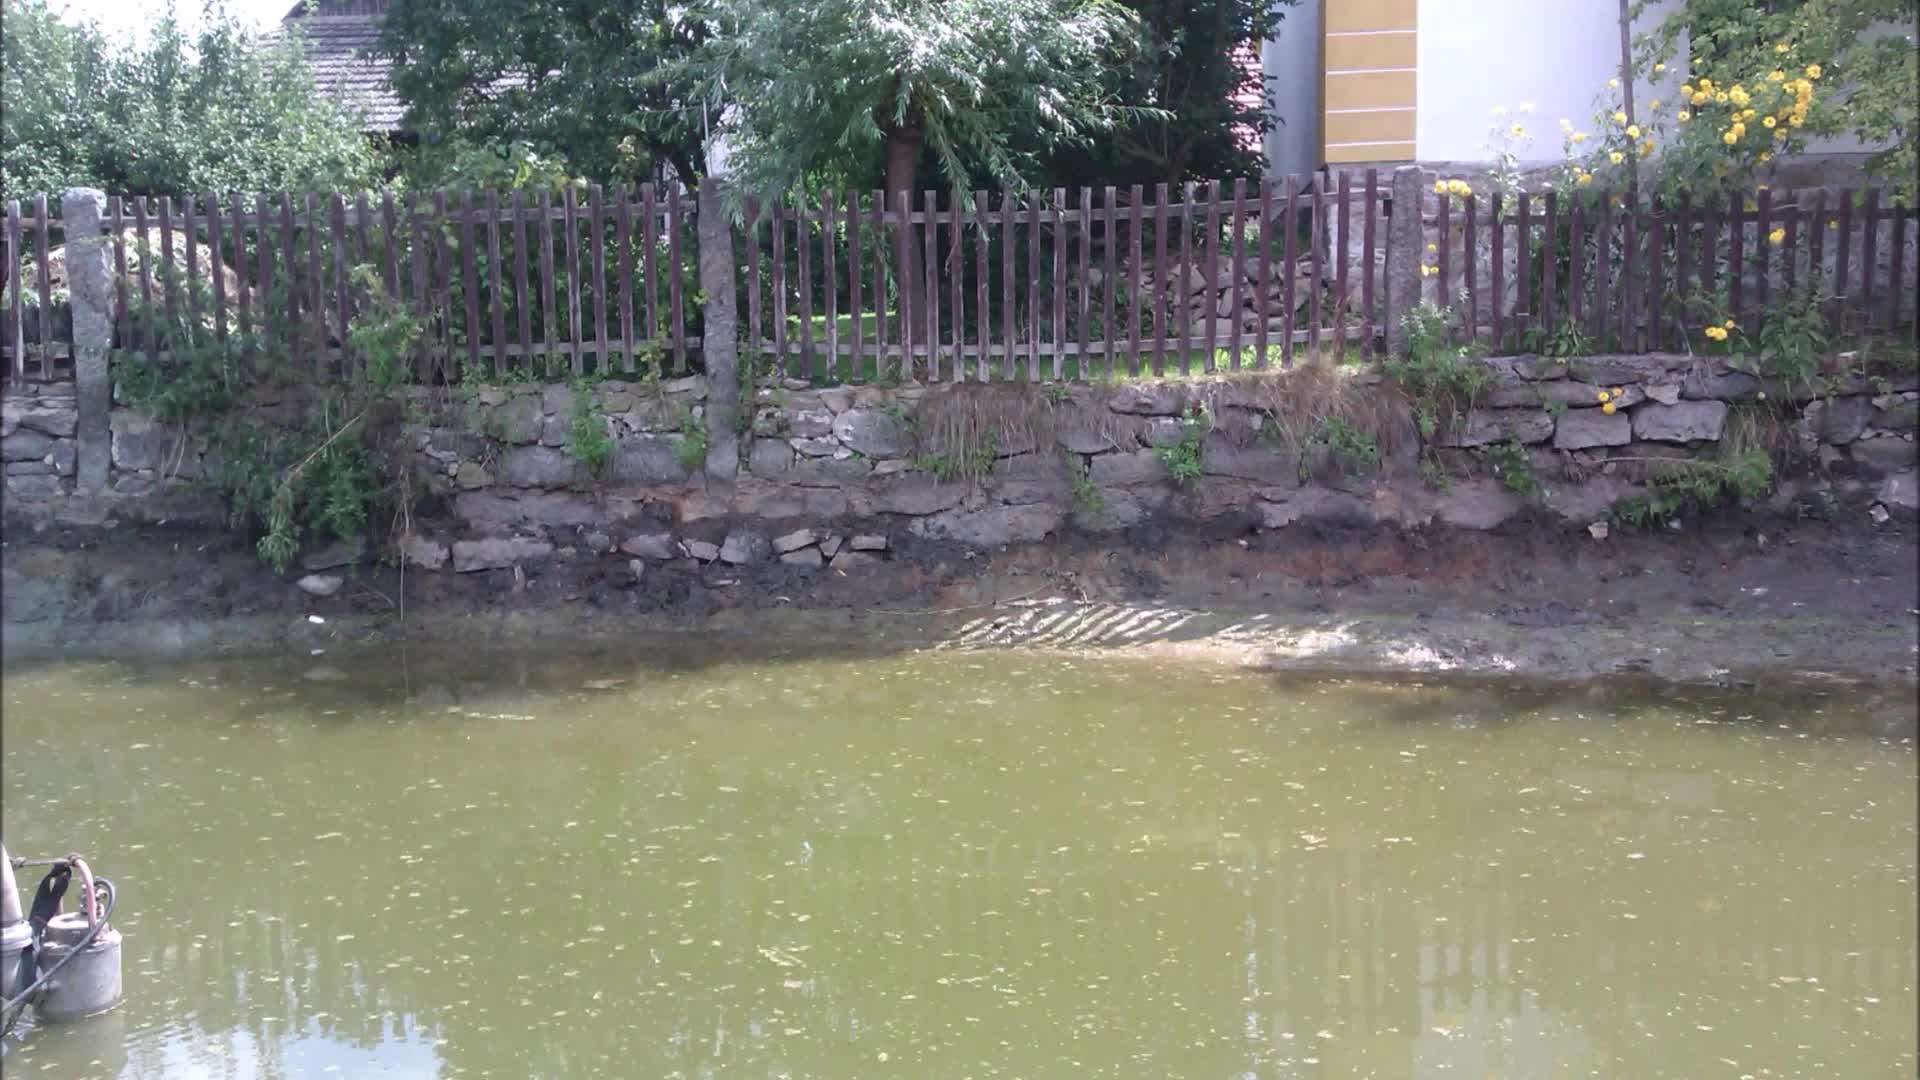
(1518, 130)
(1659, 67)
(1526, 107)
(1720, 98)
(1459, 187)
(1607, 408)
(1686, 89)
(1601, 395)
(1578, 137)
(1833, 223)
(1729, 138)
(1499, 110)
(1616, 157)
(1654, 104)
(1646, 148)
(1796, 119)
(1706, 84)
(1619, 117)
(1766, 155)
(1584, 178)
(1617, 392)
(1813, 71)
(1738, 129)
(1439, 187)
(1738, 97)
(1613, 84)
(1431, 247)
(1776, 236)
(1768, 122)
(1776, 75)
(1728, 324)
(1780, 48)
(1633, 131)
(1715, 333)
(1683, 116)
(1779, 134)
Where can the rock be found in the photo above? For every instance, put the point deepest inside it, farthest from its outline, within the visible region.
(830, 545)
(424, 553)
(657, 546)
(139, 443)
(34, 486)
(597, 542)
(637, 567)
(693, 387)
(1839, 420)
(540, 467)
(1163, 431)
(1265, 462)
(875, 433)
(491, 396)
(848, 560)
(339, 553)
(1895, 414)
(1128, 467)
(649, 459)
(1598, 530)
(1901, 489)
(613, 401)
(915, 494)
(1886, 454)
(867, 542)
(1688, 421)
(1666, 393)
(1150, 399)
(557, 400)
(1279, 507)
(1582, 503)
(742, 547)
(1540, 367)
(810, 423)
(1482, 426)
(1719, 386)
(829, 472)
(837, 399)
(133, 483)
(321, 584)
(1605, 370)
(824, 446)
(518, 421)
(1084, 441)
(793, 541)
(1477, 503)
(556, 430)
(59, 421)
(700, 550)
(470, 476)
(29, 468)
(1582, 429)
(66, 452)
(1518, 394)
(992, 527)
(495, 511)
(769, 457)
(496, 553)
(807, 557)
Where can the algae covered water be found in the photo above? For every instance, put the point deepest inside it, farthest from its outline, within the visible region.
(693, 859)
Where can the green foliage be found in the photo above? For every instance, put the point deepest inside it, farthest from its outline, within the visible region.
(587, 440)
(225, 110)
(1866, 83)
(1570, 339)
(524, 88)
(1511, 463)
(1351, 448)
(1794, 339)
(967, 463)
(1182, 459)
(692, 451)
(1086, 494)
(839, 92)
(331, 476)
(1442, 379)
(1740, 472)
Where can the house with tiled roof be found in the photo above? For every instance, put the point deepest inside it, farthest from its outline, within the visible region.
(339, 37)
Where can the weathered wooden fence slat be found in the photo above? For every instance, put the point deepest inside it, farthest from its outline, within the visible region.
(1736, 258)
(1602, 273)
(1629, 246)
(1345, 242)
(1318, 284)
(1263, 287)
(983, 322)
(1842, 261)
(676, 268)
(1765, 250)
(1896, 272)
(1656, 267)
(1237, 261)
(1523, 305)
(1549, 266)
(1869, 248)
(15, 336)
(342, 299)
(929, 258)
(1109, 251)
(1496, 227)
(1086, 299)
(1443, 250)
(1289, 270)
(1469, 230)
(1162, 281)
(1370, 265)
(803, 281)
(1212, 274)
(1576, 263)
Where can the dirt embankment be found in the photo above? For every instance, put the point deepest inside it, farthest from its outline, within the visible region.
(1723, 599)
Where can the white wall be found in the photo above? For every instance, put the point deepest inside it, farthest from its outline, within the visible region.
(1291, 59)
(1476, 54)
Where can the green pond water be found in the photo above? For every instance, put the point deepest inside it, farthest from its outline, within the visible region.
(692, 859)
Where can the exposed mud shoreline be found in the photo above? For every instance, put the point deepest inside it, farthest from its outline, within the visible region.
(1737, 599)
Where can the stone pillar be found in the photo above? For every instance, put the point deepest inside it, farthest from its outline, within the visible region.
(90, 283)
(719, 344)
(1405, 250)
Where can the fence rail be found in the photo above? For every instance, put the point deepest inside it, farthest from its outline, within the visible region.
(1091, 283)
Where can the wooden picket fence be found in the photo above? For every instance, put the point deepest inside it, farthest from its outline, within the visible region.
(1091, 284)
(1518, 272)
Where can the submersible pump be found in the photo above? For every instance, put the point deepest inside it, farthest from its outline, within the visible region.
(65, 964)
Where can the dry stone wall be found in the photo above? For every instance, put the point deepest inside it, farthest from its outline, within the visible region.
(841, 477)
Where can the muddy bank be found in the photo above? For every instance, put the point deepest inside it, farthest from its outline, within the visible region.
(1734, 598)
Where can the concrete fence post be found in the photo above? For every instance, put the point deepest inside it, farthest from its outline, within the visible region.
(719, 345)
(90, 285)
(1405, 251)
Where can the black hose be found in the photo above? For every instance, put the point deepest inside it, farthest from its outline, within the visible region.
(20, 999)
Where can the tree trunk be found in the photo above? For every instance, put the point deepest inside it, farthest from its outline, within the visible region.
(902, 163)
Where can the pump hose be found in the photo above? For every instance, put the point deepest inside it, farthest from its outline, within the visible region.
(13, 1004)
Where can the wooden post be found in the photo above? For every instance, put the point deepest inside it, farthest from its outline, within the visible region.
(718, 345)
(89, 285)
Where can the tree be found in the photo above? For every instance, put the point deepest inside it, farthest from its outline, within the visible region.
(1198, 74)
(1777, 71)
(602, 90)
(223, 111)
(847, 92)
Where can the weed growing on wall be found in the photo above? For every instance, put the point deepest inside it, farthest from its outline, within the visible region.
(1182, 458)
(692, 451)
(1087, 499)
(1442, 378)
(339, 472)
(1510, 462)
(587, 439)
